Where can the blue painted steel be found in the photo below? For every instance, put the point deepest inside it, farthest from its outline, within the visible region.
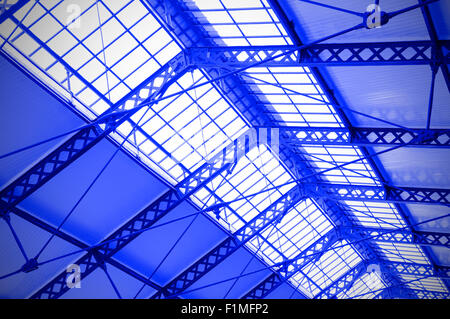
(238, 95)
(346, 281)
(415, 269)
(82, 141)
(366, 136)
(288, 269)
(334, 100)
(259, 117)
(343, 283)
(145, 219)
(408, 293)
(440, 48)
(215, 256)
(398, 236)
(377, 193)
(52, 230)
(334, 54)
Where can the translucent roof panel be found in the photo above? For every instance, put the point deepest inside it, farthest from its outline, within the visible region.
(292, 96)
(257, 171)
(239, 22)
(299, 228)
(96, 52)
(368, 286)
(429, 283)
(400, 252)
(319, 274)
(179, 133)
(327, 157)
(375, 214)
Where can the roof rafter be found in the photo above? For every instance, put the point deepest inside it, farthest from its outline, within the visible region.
(248, 106)
(398, 236)
(339, 54)
(147, 217)
(287, 270)
(74, 241)
(77, 145)
(366, 136)
(337, 100)
(396, 194)
(220, 252)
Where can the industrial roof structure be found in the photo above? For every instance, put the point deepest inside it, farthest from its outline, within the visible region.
(224, 149)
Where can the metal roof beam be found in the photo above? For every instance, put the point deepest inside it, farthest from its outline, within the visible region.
(408, 293)
(269, 284)
(220, 252)
(343, 283)
(414, 269)
(364, 136)
(330, 54)
(441, 48)
(82, 141)
(148, 216)
(183, 25)
(74, 241)
(422, 238)
(311, 254)
(346, 281)
(393, 194)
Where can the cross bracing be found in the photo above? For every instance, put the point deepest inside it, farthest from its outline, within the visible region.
(173, 110)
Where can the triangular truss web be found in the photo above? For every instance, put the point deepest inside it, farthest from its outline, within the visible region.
(306, 199)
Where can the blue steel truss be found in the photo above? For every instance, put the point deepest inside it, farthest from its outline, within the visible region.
(232, 87)
(399, 236)
(440, 49)
(70, 239)
(343, 283)
(426, 52)
(366, 136)
(288, 269)
(341, 54)
(85, 139)
(383, 194)
(347, 280)
(257, 116)
(407, 293)
(216, 255)
(146, 218)
(415, 269)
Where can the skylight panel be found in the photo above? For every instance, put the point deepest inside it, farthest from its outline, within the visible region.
(327, 157)
(301, 226)
(428, 283)
(179, 133)
(319, 274)
(257, 171)
(95, 57)
(368, 286)
(292, 96)
(375, 214)
(400, 252)
(249, 22)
